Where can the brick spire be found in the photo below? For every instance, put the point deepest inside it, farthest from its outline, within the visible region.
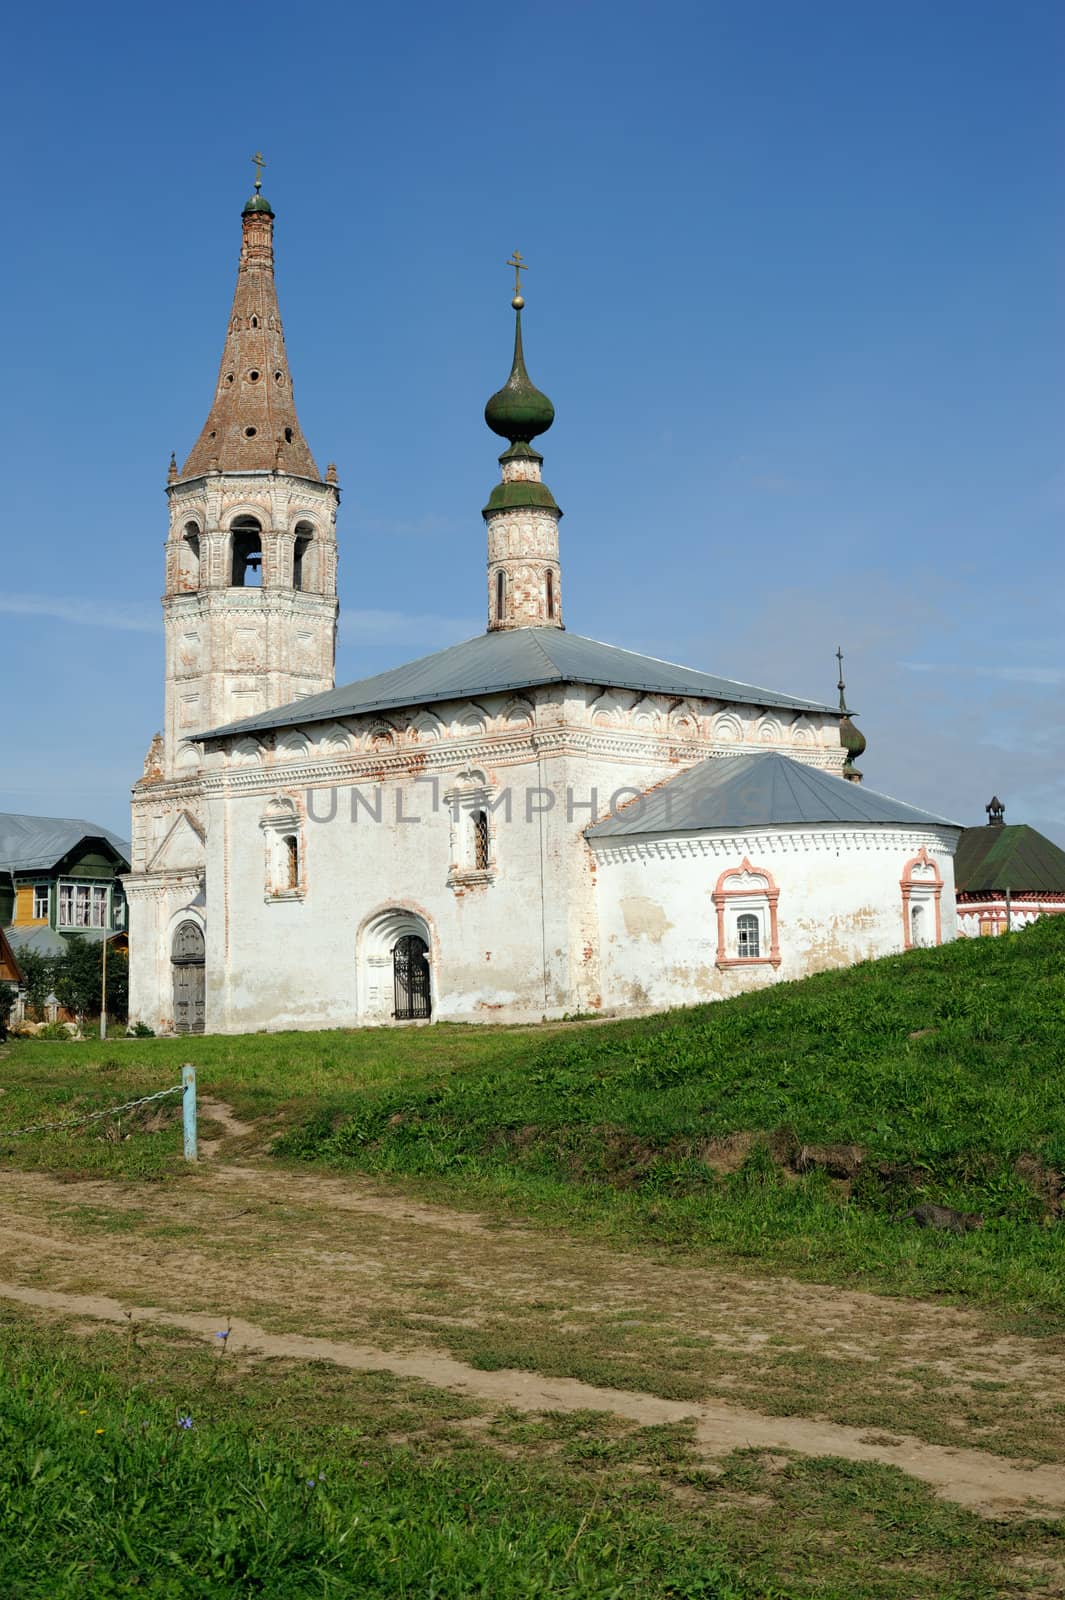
(252, 426)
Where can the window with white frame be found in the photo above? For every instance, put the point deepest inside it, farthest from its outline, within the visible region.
(40, 902)
(282, 829)
(748, 936)
(83, 905)
(745, 900)
(472, 835)
(922, 889)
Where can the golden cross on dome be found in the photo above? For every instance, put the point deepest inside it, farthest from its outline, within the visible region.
(519, 267)
(259, 164)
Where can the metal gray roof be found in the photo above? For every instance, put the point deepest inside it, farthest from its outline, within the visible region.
(34, 844)
(753, 791)
(516, 658)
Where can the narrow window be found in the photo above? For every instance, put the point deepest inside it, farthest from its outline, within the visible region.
(479, 821)
(302, 569)
(189, 557)
(917, 938)
(501, 587)
(66, 905)
(291, 848)
(747, 942)
(40, 902)
(550, 594)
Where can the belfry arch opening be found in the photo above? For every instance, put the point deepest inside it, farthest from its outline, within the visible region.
(303, 554)
(188, 557)
(246, 544)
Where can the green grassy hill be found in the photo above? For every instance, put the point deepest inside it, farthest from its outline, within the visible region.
(788, 1127)
(791, 1125)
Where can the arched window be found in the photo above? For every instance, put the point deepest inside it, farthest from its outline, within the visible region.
(473, 856)
(501, 594)
(282, 831)
(246, 536)
(745, 899)
(922, 888)
(479, 824)
(550, 586)
(303, 574)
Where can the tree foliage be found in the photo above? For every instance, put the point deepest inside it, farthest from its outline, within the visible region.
(78, 973)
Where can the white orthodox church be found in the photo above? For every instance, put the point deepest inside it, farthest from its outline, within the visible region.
(525, 825)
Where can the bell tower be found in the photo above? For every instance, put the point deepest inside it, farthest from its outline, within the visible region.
(521, 517)
(250, 601)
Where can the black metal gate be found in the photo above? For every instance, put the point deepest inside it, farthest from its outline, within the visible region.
(410, 965)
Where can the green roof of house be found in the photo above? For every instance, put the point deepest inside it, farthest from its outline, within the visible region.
(1001, 856)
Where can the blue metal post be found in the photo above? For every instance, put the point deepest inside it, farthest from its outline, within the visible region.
(188, 1109)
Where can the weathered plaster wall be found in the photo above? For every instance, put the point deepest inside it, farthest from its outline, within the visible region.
(838, 900)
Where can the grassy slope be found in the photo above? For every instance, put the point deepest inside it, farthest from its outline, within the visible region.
(945, 1066)
(305, 1482)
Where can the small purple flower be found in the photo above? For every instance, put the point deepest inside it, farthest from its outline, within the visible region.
(311, 1483)
(223, 1333)
(184, 1422)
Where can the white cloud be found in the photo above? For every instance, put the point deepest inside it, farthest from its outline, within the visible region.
(129, 618)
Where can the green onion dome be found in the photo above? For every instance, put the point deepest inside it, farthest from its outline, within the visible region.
(519, 411)
(257, 202)
(852, 739)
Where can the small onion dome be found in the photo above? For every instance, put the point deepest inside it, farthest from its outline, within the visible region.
(257, 202)
(852, 739)
(519, 411)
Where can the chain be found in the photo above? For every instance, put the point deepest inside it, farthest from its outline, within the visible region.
(92, 1116)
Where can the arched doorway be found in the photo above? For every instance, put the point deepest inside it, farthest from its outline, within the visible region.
(395, 968)
(187, 961)
(410, 979)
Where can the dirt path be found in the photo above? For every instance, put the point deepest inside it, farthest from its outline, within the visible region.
(353, 1272)
(971, 1477)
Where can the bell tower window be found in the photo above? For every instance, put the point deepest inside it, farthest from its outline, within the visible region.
(550, 585)
(501, 594)
(188, 558)
(247, 548)
(303, 557)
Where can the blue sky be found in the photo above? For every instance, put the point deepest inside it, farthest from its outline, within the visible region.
(795, 292)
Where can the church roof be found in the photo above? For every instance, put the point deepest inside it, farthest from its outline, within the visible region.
(753, 791)
(511, 659)
(34, 844)
(1012, 856)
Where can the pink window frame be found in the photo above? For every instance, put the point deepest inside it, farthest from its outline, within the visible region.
(721, 898)
(932, 889)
